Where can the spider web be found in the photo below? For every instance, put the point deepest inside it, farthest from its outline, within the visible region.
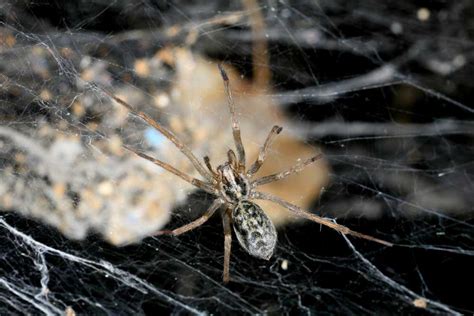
(383, 88)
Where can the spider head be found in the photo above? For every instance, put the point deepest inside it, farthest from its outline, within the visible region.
(233, 184)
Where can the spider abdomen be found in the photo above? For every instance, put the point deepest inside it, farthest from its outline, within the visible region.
(255, 231)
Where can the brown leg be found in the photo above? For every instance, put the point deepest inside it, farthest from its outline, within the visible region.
(207, 162)
(226, 219)
(196, 223)
(302, 213)
(168, 134)
(232, 158)
(263, 151)
(235, 121)
(278, 176)
(196, 182)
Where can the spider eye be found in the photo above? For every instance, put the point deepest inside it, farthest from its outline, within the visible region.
(255, 231)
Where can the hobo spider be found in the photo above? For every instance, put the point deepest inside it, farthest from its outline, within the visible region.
(235, 189)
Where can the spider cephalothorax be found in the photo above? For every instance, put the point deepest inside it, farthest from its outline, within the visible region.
(235, 189)
(232, 184)
(254, 230)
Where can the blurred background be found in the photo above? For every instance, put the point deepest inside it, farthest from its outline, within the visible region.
(384, 90)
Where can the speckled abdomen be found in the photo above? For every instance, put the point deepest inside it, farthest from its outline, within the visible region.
(254, 230)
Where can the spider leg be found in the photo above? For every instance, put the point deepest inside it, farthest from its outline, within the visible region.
(196, 182)
(232, 159)
(302, 213)
(194, 224)
(235, 121)
(226, 220)
(168, 134)
(278, 176)
(207, 162)
(263, 150)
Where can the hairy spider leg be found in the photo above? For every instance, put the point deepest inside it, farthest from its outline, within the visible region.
(263, 150)
(281, 175)
(312, 217)
(235, 121)
(232, 159)
(168, 134)
(196, 182)
(207, 162)
(194, 224)
(226, 222)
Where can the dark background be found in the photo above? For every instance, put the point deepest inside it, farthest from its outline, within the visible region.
(325, 275)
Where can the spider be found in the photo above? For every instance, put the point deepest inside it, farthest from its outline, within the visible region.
(234, 187)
